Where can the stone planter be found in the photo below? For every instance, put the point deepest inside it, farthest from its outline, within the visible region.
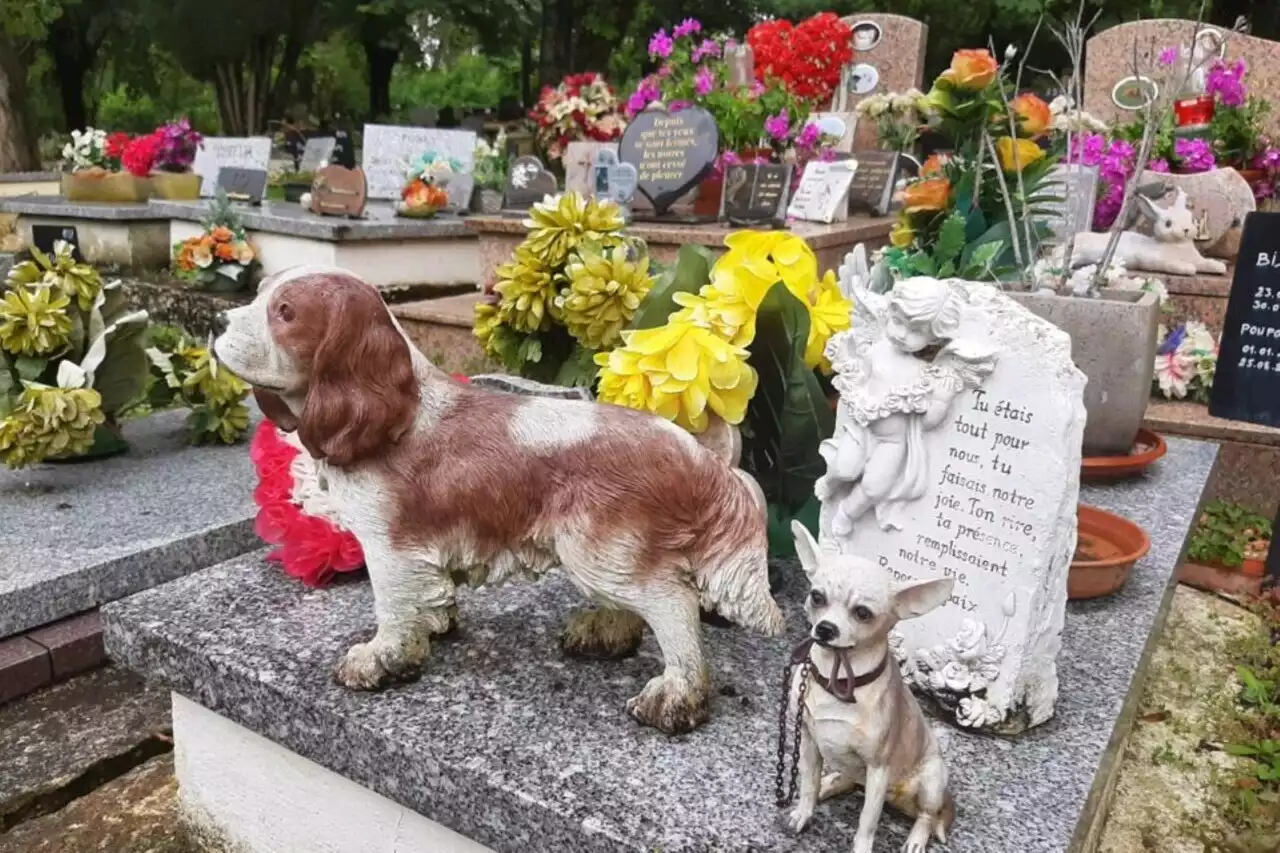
(102, 186)
(175, 186)
(487, 201)
(1113, 341)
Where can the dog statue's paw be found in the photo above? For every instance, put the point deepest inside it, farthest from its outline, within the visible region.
(863, 843)
(602, 634)
(914, 847)
(799, 818)
(368, 666)
(670, 704)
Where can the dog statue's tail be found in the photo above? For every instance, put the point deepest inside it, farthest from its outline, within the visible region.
(734, 581)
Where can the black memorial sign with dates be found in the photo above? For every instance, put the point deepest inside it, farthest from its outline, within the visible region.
(1246, 385)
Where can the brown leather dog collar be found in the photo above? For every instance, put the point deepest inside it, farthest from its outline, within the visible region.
(838, 684)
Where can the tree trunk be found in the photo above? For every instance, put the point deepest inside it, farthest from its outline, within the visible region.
(382, 61)
(526, 73)
(18, 151)
(72, 57)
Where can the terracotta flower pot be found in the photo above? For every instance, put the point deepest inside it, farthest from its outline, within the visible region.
(1253, 568)
(1147, 448)
(1107, 548)
(175, 186)
(102, 186)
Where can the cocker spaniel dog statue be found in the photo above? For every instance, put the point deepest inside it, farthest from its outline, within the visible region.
(442, 481)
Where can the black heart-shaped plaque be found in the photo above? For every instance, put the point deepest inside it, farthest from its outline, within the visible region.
(672, 152)
(527, 184)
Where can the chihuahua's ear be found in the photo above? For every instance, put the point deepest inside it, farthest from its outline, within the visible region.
(806, 548)
(918, 599)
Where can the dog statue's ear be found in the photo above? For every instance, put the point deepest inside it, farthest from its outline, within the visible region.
(806, 548)
(276, 410)
(918, 599)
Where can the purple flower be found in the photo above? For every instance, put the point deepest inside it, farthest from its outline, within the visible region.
(687, 27)
(1227, 83)
(1264, 190)
(1195, 155)
(1087, 149)
(677, 106)
(809, 136)
(827, 155)
(665, 71)
(757, 89)
(646, 93)
(178, 144)
(709, 47)
(1158, 165)
(1174, 341)
(704, 81)
(661, 44)
(1168, 56)
(778, 126)
(1268, 159)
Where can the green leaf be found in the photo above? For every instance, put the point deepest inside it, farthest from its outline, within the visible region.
(981, 257)
(923, 264)
(789, 415)
(782, 543)
(29, 367)
(974, 225)
(579, 369)
(531, 349)
(688, 274)
(950, 239)
(122, 376)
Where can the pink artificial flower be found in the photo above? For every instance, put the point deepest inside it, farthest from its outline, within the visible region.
(678, 106)
(1268, 160)
(778, 126)
(1226, 83)
(709, 47)
(661, 44)
(1264, 190)
(1158, 165)
(704, 81)
(1195, 155)
(757, 89)
(1173, 372)
(687, 27)
(809, 136)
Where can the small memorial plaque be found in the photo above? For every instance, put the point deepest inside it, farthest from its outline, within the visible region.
(318, 151)
(755, 194)
(220, 152)
(388, 151)
(528, 183)
(248, 185)
(672, 152)
(44, 236)
(614, 181)
(579, 166)
(873, 182)
(339, 191)
(1246, 386)
(823, 194)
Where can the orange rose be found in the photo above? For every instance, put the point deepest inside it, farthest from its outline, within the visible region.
(971, 70)
(224, 252)
(927, 195)
(222, 234)
(933, 166)
(1033, 114)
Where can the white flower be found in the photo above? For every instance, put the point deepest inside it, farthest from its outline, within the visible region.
(1199, 339)
(1010, 52)
(1173, 372)
(955, 677)
(971, 642)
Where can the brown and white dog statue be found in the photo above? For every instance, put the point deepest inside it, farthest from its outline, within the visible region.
(861, 726)
(442, 482)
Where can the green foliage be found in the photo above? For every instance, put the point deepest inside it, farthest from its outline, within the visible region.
(187, 375)
(782, 543)
(953, 253)
(1224, 532)
(1238, 133)
(688, 274)
(789, 415)
(472, 81)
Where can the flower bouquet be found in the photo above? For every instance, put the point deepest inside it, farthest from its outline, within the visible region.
(175, 153)
(976, 213)
(1185, 362)
(91, 164)
(221, 259)
(491, 174)
(582, 106)
(426, 192)
(71, 361)
(807, 58)
(183, 373)
(740, 339)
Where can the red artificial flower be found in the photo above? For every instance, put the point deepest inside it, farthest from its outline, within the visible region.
(140, 154)
(114, 145)
(807, 58)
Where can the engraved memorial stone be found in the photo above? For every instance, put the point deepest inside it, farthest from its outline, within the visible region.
(246, 185)
(579, 166)
(218, 152)
(339, 191)
(823, 194)
(672, 152)
(344, 151)
(873, 182)
(756, 194)
(388, 151)
(957, 454)
(527, 184)
(316, 153)
(613, 181)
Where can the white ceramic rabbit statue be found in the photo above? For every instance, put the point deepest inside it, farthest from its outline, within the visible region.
(1170, 249)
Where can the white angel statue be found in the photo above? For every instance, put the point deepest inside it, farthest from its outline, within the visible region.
(899, 370)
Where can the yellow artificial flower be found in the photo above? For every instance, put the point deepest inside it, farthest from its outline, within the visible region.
(528, 290)
(1017, 154)
(49, 423)
(487, 318)
(679, 371)
(34, 320)
(605, 289)
(829, 313)
(557, 225)
(971, 70)
(901, 235)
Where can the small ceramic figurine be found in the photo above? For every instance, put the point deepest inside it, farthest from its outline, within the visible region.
(856, 722)
(445, 483)
(894, 388)
(1170, 249)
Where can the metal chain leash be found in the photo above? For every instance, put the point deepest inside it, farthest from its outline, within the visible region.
(782, 796)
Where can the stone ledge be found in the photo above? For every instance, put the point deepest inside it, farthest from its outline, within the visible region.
(282, 217)
(511, 745)
(1180, 417)
(1199, 285)
(77, 535)
(57, 207)
(29, 177)
(447, 311)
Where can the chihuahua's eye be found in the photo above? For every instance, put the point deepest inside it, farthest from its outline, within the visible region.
(1168, 223)
(816, 598)
(285, 312)
(863, 614)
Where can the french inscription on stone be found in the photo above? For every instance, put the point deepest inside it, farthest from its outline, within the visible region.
(671, 152)
(218, 152)
(756, 194)
(388, 151)
(873, 182)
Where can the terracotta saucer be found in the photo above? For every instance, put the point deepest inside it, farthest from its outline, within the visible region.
(1147, 448)
(1107, 546)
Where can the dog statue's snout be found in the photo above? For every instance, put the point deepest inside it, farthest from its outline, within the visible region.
(219, 324)
(825, 632)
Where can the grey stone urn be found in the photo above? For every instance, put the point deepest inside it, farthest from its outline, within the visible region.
(1113, 341)
(485, 200)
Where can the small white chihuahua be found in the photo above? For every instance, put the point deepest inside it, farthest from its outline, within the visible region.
(860, 722)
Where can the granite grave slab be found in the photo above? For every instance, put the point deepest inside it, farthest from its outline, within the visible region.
(77, 535)
(508, 743)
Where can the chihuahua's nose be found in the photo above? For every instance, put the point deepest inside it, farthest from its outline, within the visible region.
(825, 632)
(219, 324)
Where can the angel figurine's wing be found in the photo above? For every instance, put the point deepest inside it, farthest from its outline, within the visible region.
(970, 361)
(855, 272)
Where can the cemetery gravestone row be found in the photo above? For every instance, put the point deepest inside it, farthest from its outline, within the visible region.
(388, 151)
(219, 152)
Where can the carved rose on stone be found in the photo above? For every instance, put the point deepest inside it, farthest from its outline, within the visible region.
(954, 676)
(973, 712)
